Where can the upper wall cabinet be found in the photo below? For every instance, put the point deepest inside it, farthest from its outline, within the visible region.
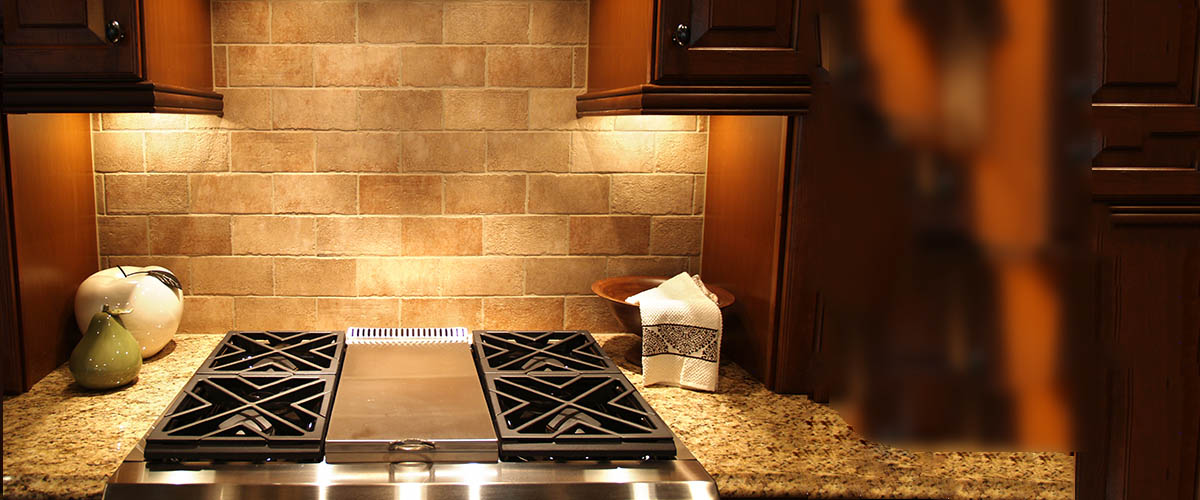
(700, 57)
(108, 56)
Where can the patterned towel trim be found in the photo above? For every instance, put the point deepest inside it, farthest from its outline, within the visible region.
(682, 340)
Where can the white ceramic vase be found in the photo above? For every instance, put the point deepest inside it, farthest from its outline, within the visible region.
(151, 295)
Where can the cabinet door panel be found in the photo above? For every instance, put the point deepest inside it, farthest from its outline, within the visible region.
(52, 39)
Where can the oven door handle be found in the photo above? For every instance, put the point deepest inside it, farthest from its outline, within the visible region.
(411, 445)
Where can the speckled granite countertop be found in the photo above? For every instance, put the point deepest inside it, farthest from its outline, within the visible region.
(62, 442)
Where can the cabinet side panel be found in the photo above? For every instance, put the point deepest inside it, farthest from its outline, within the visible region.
(179, 43)
(9, 317)
(619, 43)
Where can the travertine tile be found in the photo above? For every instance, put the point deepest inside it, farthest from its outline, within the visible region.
(652, 194)
(676, 235)
(271, 151)
(314, 277)
(359, 235)
(568, 194)
(400, 194)
(681, 153)
(694, 264)
(231, 275)
(275, 313)
(485, 194)
(487, 22)
(274, 235)
(303, 21)
(435, 236)
(562, 275)
(610, 235)
(339, 314)
(142, 121)
(123, 235)
(443, 66)
(698, 196)
(589, 313)
(612, 152)
(400, 22)
(117, 152)
(558, 22)
(320, 109)
(207, 314)
(316, 193)
(529, 66)
(246, 108)
(230, 193)
(145, 193)
(98, 193)
(656, 122)
(398, 276)
(189, 235)
(528, 151)
(187, 152)
(400, 109)
(356, 66)
(525, 234)
(358, 152)
(482, 276)
(179, 266)
(240, 22)
(580, 67)
(487, 109)
(523, 313)
(646, 266)
(435, 313)
(554, 109)
(220, 56)
(443, 151)
(270, 66)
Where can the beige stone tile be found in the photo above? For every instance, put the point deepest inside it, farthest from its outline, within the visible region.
(187, 152)
(444, 66)
(205, 122)
(568, 194)
(485, 194)
(400, 194)
(240, 22)
(339, 314)
(400, 109)
(189, 235)
(274, 313)
(589, 313)
(610, 235)
(397, 277)
(400, 22)
(145, 193)
(320, 109)
(207, 314)
(98, 194)
(612, 152)
(270, 66)
(246, 108)
(523, 313)
(652, 194)
(529, 66)
(487, 22)
(312, 21)
(525, 234)
(676, 235)
(316, 193)
(230, 193)
(123, 235)
(271, 151)
(656, 122)
(179, 266)
(646, 266)
(562, 275)
(694, 264)
(553, 109)
(95, 121)
(438, 236)
(220, 55)
(472, 276)
(443, 151)
(698, 196)
(274, 235)
(436, 313)
(142, 121)
(681, 152)
(359, 235)
(231, 275)
(487, 109)
(358, 152)
(356, 66)
(117, 152)
(580, 67)
(528, 151)
(558, 22)
(313, 277)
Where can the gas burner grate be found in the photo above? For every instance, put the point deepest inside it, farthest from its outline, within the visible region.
(276, 352)
(245, 417)
(540, 352)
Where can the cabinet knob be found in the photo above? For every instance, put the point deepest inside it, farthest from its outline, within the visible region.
(683, 34)
(113, 32)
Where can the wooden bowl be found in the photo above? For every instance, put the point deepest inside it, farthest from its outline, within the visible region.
(617, 289)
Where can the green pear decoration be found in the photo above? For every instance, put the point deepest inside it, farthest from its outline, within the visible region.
(108, 356)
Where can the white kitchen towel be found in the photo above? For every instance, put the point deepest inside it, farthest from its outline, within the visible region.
(681, 334)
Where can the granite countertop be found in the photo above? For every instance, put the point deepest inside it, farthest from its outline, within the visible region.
(62, 442)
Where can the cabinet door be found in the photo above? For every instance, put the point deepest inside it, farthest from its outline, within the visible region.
(66, 39)
(767, 41)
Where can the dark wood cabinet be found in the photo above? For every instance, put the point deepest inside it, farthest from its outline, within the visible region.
(108, 56)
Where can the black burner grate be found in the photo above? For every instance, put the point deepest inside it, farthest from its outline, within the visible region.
(542, 351)
(276, 352)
